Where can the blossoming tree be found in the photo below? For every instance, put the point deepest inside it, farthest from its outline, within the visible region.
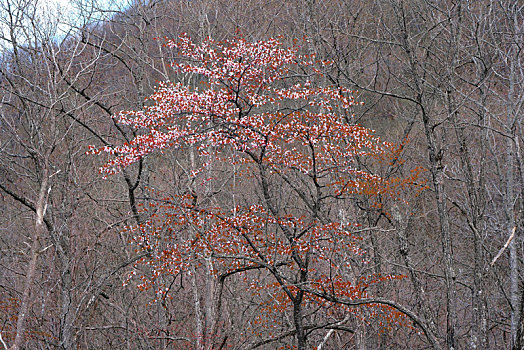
(271, 170)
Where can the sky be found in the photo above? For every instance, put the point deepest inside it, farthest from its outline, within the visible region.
(65, 4)
(66, 14)
(55, 18)
(68, 9)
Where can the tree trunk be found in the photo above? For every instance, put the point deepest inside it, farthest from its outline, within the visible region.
(33, 263)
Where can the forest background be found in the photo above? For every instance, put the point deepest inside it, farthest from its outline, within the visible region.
(444, 80)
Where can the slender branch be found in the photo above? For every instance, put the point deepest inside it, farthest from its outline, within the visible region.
(504, 247)
(3, 342)
(331, 326)
(366, 301)
(21, 199)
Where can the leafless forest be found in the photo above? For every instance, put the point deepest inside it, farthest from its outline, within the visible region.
(442, 78)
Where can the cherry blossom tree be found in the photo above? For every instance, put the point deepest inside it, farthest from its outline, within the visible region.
(270, 165)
